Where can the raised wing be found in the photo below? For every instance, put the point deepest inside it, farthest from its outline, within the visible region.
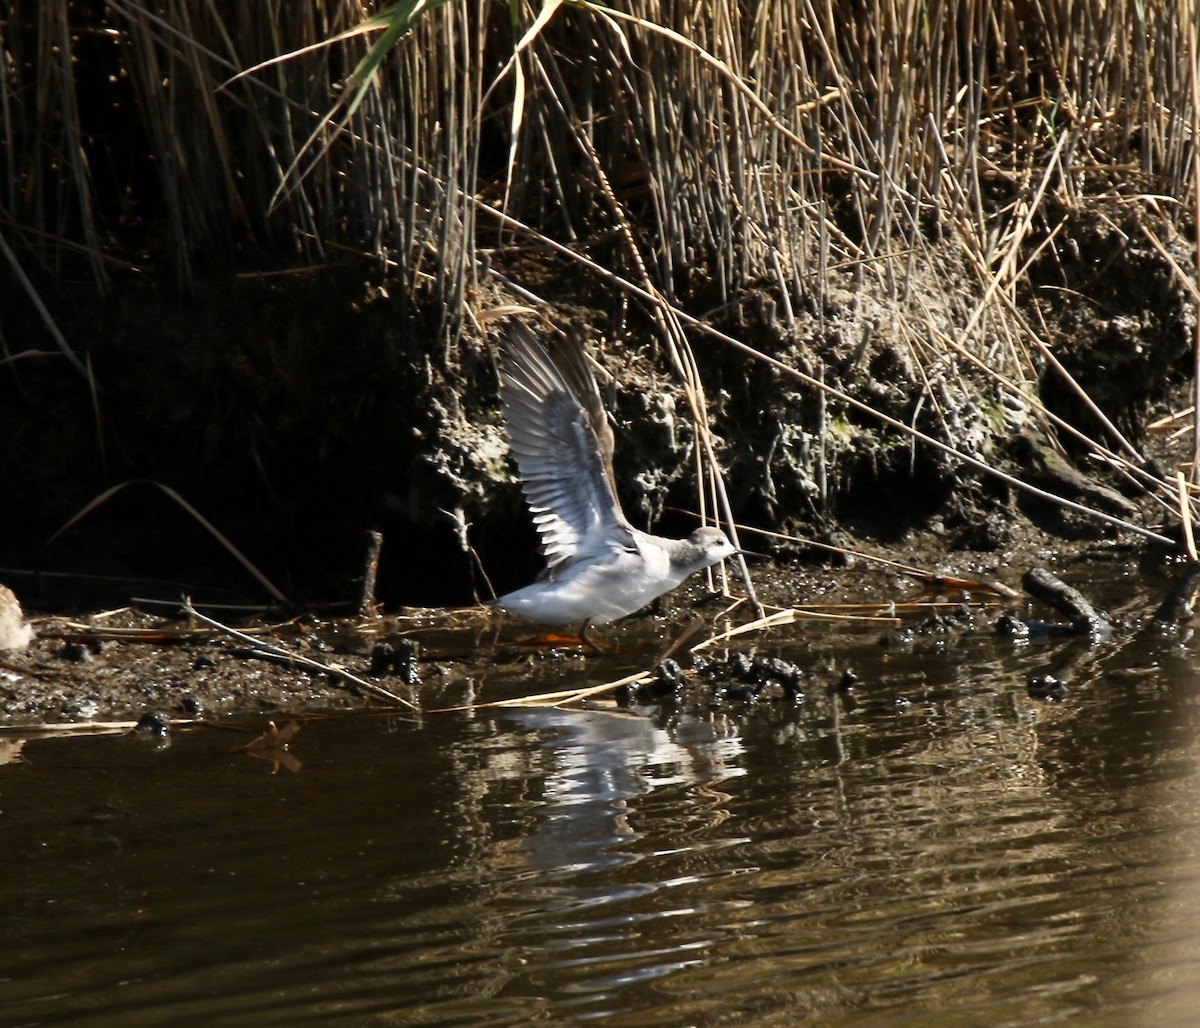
(563, 473)
(571, 359)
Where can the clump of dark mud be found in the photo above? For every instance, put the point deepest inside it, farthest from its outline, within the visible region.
(123, 667)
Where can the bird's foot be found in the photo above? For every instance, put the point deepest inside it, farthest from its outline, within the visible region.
(550, 640)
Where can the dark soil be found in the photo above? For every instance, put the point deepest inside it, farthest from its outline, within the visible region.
(296, 412)
(129, 666)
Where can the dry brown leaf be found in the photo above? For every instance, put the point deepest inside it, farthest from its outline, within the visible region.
(272, 739)
(10, 750)
(278, 758)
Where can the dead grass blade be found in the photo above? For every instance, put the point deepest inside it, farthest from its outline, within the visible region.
(553, 699)
(67, 628)
(1185, 517)
(200, 519)
(934, 579)
(82, 728)
(789, 616)
(51, 326)
(268, 650)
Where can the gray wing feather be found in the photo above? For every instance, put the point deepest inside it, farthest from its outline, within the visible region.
(567, 486)
(572, 361)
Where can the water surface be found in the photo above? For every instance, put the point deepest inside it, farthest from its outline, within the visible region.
(934, 846)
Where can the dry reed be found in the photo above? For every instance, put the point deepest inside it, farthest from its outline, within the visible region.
(724, 151)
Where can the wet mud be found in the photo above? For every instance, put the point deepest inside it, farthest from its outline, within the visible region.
(243, 441)
(131, 666)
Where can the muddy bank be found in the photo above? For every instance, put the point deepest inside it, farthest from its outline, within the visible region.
(158, 668)
(219, 368)
(296, 411)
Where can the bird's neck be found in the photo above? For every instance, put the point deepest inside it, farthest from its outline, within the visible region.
(686, 557)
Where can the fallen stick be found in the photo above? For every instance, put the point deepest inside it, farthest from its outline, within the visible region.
(1039, 583)
(366, 595)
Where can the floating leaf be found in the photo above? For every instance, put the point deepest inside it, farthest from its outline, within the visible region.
(272, 739)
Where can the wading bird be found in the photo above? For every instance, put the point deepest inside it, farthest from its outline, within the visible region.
(598, 566)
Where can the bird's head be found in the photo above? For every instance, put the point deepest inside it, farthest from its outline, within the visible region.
(712, 546)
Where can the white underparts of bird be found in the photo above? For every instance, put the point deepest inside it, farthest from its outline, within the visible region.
(598, 566)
